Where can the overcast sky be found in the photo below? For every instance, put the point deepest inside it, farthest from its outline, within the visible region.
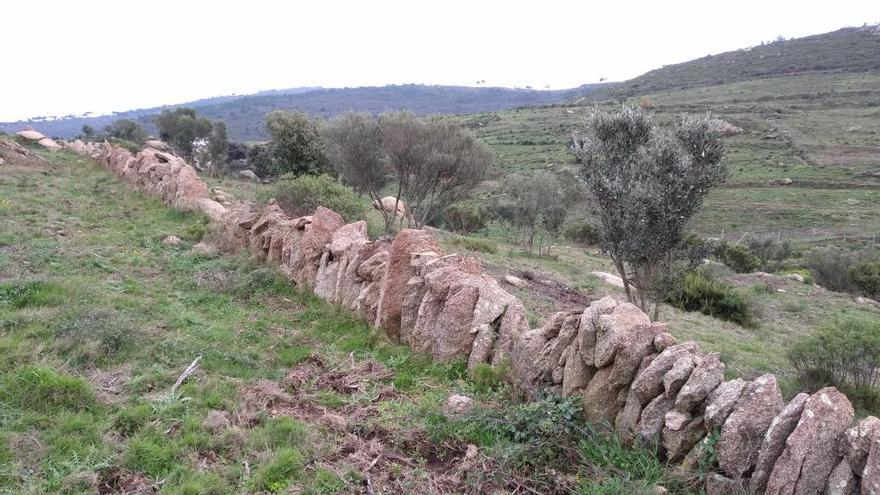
(64, 57)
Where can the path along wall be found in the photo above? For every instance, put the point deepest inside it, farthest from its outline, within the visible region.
(629, 372)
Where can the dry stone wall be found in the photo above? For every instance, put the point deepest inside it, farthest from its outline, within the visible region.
(629, 372)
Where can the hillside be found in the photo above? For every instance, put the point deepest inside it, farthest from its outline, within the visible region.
(244, 115)
(845, 50)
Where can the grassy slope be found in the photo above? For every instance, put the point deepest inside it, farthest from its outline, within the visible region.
(98, 318)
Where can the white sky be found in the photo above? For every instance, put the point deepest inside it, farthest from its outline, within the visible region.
(63, 57)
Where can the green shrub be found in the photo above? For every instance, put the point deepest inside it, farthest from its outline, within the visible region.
(301, 195)
(464, 217)
(582, 232)
(702, 293)
(34, 294)
(830, 267)
(474, 244)
(844, 351)
(771, 253)
(866, 278)
(739, 258)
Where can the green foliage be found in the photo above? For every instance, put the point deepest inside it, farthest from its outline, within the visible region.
(582, 232)
(771, 253)
(865, 277)
(436, 162)
(180, 127)
(88, 131)
(295, 145)
(534, 207)
(474, 244)
(712, 297)
(647, 185)
(126, 129)
(834, 268)
(190, 482)
(30, 294)
(737, 257)
(218, 146)
(465, 217)
(486, 378)
(843, 352)
(43, 389)
(259, 160)
(301, 195)
(277, 474)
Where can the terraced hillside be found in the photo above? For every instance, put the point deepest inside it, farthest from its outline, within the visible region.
(821, 131)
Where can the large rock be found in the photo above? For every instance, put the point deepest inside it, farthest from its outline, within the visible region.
(856, 444)
(649, 383)
(31, 135)
(397, 273)
(813, 448)
(774, 441)
(316, 235)
(678, 441)
(391, 205)
(842, 480)
(721, 402)
(705, 377)
(49, 144)
(248, 175)
(653, 419)
(871, 473)
(740, 439)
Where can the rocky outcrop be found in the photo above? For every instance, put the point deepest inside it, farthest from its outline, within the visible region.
(626, 371)
(812, 450)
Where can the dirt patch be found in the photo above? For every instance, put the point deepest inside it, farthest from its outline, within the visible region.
(115, 480)
(108, 384)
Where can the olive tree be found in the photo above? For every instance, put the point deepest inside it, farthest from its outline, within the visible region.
(435, 162)
(218, 145)
(647, 184)
(180, 127)
(295, 144)
(353, 145)
(128, 130)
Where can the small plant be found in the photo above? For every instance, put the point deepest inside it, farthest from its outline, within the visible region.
(486, 378)
(277, 474)
(301, 195)
(830, 267)
(702, 293)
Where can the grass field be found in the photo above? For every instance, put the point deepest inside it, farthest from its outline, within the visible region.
(99, 318)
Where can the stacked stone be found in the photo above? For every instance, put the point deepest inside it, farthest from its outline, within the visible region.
(629, 372)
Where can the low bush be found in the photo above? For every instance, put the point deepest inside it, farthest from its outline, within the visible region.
(465, 217)
(737, 257)
(301, 195)
(865, 276)
(700, 292)
(844, 352)
(582, 232)
(474, 244)
(830, 267)
(770, 253)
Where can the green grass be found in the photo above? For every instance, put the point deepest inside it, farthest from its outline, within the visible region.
(97, 324)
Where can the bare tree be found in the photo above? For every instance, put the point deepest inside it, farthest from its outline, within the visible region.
(647, 185)
(436, 162)
(353, 145)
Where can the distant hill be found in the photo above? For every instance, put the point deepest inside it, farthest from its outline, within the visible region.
(244, 115)
(844, 50)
